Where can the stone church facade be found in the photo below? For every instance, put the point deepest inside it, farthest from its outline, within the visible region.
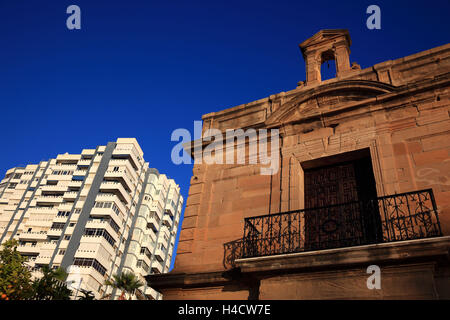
(364, 180)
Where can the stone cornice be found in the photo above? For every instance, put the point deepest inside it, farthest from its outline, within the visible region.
(392, 252)
(250, 269)
(355, 74)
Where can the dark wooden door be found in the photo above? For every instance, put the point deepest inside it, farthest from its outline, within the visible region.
(334, 199)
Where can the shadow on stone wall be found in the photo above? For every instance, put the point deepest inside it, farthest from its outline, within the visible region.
(232, 251)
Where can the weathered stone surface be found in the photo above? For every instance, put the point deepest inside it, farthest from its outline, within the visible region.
(398, 110)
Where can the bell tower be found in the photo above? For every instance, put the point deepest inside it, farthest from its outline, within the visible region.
(326, 45)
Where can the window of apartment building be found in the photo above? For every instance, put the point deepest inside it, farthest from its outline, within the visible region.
(112, 205)
(12, 185)
(94, 232)
(155, 270)
(142, 264)
(67, 237)
(62, 172)
(63, 213)
(17, 176)
(144, 250)
(114, 225)
(89, 262)
(103, 204)
(57, 225)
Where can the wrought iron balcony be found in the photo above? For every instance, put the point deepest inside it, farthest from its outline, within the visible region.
(398, 217)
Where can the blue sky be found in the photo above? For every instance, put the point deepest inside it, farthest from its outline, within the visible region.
(141, 68)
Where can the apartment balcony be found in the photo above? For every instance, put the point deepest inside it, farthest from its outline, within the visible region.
(42, 259)
(167, 220)
(143, 270)
(127, 153)
(110, 197)
(124, 164)
(6, 217)
(156, 267)
(105, 214)
(8, 207)
(146, 258)
(87, 239)
(64, 206)
(54, 232)
(60, 219)
(170, 209)
(89, 271)
(48, 200)
(151, 293)
(42, 210)
(93, 251)
(70, 196)
(78, 175)
(153, 222)
(68, 158)
(84, 162)
(394, 218)
(64, 167)
(160, 255)
(53, 188)
(36, 222)
(119, 176)
(163, 241)
(48, 245)
(116, 188)
(28, 249)
(58, 259)
(33, 235)
(102, 224)
(33, 214)
(156, 207)
(75, 184)
(152, 238)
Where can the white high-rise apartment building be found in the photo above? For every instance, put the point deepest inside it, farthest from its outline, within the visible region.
(95, 214)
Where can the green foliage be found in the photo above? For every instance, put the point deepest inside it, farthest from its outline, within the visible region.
(126, 281)
(51, 286)
(15, 278)
(16, 282)
(86, 295)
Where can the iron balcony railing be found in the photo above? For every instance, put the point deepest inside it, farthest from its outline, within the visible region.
(398, 217)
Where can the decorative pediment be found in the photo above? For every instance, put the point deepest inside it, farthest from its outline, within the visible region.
(325, 36)
(324, 98)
